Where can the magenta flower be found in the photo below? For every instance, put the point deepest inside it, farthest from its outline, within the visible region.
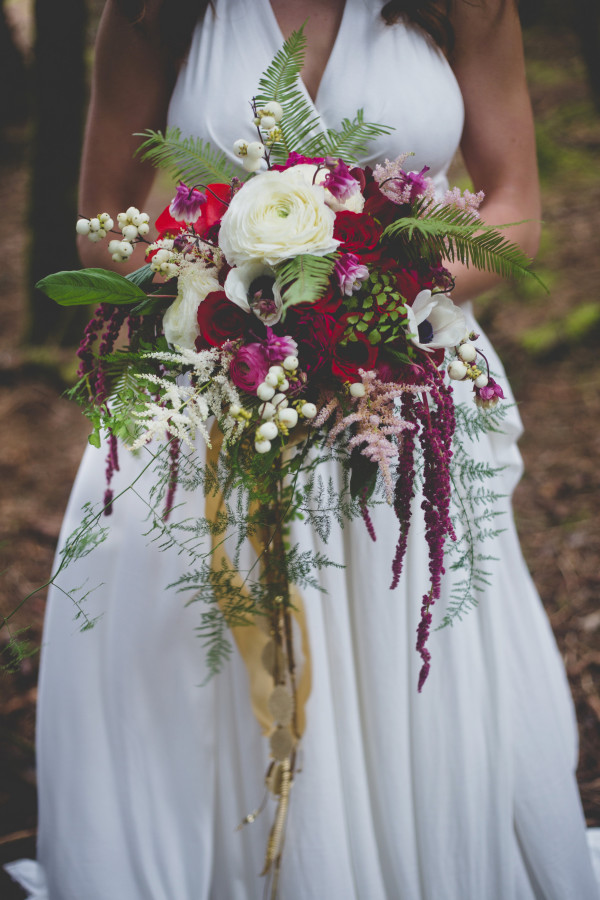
(350, 273)
(296, 159)
(490, 394)
(340, 181)
(277, 348)
(249, 367)
(185, 205)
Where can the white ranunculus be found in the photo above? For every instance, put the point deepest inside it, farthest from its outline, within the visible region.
(274, 217)
(237, 287)
(446, 319)
(180, 321)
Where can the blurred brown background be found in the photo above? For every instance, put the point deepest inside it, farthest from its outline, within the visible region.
(549, 343)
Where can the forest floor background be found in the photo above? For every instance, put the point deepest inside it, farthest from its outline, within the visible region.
(548, 342)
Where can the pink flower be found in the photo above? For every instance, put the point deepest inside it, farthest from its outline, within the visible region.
(489, 395)
(277, 348)
(296, 159)
(185, 205)
(249, 367)
(350, 273)
(340, 181)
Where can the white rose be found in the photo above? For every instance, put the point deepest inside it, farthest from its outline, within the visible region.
(447, 321)
(274, 217)
(180, 321)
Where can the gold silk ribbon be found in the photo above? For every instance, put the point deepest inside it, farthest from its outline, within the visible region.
(252, 639)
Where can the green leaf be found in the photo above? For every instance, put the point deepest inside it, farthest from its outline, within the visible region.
(352, 320)
(304, 278)
(142, 277)
(362, 326)
(187, 159)
(351, 141)
(375, 336)
(80, 288)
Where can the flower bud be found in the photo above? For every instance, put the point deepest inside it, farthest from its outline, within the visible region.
(357, 389)
(265, 391)
(467, 352)
(288, 417)
(268, 431)
(457, 370)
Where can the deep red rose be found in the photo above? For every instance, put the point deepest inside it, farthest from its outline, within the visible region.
(219, 321)
(313, 332)
(408, 282)
(354, 355)
(358, 233)
(381, 207)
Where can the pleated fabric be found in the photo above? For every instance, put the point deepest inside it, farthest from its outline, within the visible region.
(463, 792)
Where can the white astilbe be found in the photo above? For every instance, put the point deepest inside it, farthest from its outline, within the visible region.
(181, 412)
(201, 362)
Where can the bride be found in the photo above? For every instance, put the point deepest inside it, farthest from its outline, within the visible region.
(463, 792)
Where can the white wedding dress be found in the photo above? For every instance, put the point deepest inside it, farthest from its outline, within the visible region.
(464, 792)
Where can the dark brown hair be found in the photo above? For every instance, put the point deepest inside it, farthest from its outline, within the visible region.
(176, 20)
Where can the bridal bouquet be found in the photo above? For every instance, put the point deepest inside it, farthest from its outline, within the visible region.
(293, 310)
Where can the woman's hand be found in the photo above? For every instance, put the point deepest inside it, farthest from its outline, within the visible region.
(498, 143)
(132, 81)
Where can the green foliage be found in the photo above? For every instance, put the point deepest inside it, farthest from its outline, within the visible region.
(433, 233)
(350, 142)
(80, 288)
(304, 278)
(189, 159)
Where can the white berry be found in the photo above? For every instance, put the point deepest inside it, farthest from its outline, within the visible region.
(262, 446)
(309, 410)
(357, 389)
(481, 381)
(267, 410)
(288, 417)
(457, 370)
(83, 226)
(467, 352)
(290, 363)
(267, 431)
(265, 391)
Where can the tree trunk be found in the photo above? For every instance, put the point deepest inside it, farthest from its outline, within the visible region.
(13, 75)
(586, 22)
(59, 94)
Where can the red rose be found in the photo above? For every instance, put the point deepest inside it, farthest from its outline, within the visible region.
(219, 321)
(313, 332)
(381, 207)
(408, 282)
(358, 233)
(348, 358)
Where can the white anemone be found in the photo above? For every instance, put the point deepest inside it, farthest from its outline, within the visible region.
(237, 288)
(447, 321)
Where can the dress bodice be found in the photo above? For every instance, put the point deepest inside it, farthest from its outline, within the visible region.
(394, 73)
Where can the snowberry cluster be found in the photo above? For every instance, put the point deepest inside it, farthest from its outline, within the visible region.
(134, 226)
(277, 416)
(162, 262)
(266, 120)
(466, 367)
(96, 228)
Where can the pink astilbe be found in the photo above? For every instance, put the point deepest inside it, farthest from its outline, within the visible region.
(401, 186)
(378, 429)
(465, 200)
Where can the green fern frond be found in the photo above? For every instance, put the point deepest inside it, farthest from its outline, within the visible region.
(350, 141)
(455, 234)
(305, 278)
(190, 160)
(281, 82)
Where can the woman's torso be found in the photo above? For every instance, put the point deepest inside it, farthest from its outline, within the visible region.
(393, 73)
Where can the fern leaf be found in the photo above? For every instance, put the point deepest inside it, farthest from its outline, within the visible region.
(350, 142)
(187, 159)
(281, 82)
(305, 278)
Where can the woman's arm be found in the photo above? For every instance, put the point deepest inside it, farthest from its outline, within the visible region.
(498, 143)
(132, 81)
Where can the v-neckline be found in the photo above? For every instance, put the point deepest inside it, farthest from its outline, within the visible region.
(279, 34)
